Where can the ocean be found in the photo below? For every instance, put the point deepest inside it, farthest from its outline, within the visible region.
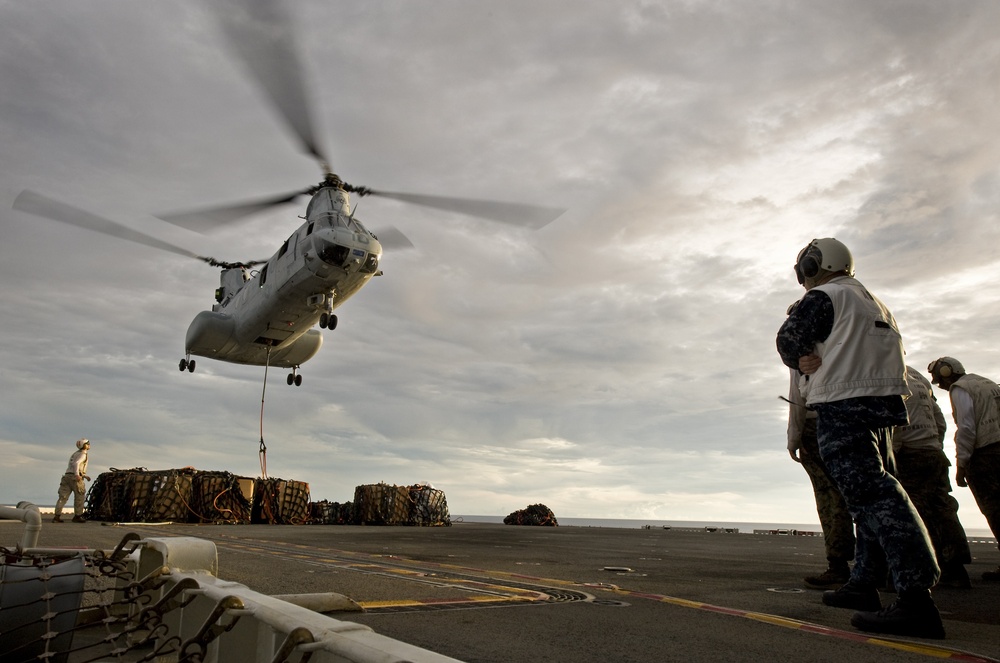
(974, 534)
(742, 527)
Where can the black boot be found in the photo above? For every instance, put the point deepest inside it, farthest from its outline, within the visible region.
(915, 616)
(953, 574)
(855, 597)
(836, 576)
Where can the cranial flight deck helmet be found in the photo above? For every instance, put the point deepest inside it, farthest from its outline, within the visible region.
(945, 367)
(823, 255)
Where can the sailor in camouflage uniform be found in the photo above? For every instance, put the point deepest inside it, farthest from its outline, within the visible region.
(834, 516)
(845, 344)
(975, 403)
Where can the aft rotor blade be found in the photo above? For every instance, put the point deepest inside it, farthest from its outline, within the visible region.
(211, 217)
(521, 214)
(260, 33)
(39, 205)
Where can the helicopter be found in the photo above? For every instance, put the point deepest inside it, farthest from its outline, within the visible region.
(265, 311)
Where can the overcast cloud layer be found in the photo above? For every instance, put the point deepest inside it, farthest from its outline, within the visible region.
(619, 362)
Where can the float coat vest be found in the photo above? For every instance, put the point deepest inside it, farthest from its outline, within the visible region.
(863, 355)
(986, 402)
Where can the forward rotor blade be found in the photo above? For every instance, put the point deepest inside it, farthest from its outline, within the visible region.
(393, 238)
(211, 217)
(39, 205)
(260, 33)
(520, 214)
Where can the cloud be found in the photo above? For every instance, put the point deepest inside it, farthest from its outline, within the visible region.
(619, 362)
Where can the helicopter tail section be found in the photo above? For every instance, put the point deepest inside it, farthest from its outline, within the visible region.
(213, 335)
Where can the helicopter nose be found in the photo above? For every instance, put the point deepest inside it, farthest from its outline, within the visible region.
(349, 256)
(335, 254)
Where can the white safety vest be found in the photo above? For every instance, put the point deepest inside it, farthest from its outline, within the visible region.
(986, 403)
(925, 415)
(863, 356)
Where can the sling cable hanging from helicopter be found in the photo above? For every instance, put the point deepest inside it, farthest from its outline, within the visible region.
(263, 447)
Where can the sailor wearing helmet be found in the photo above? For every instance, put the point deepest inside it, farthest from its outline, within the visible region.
(848, 352)
(72, 482)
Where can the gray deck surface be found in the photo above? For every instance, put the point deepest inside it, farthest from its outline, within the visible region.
(489, 592)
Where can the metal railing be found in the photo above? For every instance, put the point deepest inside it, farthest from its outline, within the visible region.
(160, 600)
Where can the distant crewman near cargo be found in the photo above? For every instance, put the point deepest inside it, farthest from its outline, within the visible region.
(975, 404)
(72, 482)
(922, 468)
(848, 351)
(834, 517)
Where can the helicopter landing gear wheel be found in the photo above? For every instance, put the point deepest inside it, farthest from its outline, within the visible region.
(294, 378)
(328, 321)
(186, 365)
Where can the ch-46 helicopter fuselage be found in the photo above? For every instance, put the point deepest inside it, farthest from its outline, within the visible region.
(267, 317)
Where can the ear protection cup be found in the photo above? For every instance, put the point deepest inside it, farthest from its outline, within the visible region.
(809, 265)
(945, 367)
(823, 255)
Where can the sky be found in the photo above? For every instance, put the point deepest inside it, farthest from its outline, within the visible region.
(617, 363)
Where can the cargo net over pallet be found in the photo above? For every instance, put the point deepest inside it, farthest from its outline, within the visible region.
(193, 496)
(535, 514)
(384, 504)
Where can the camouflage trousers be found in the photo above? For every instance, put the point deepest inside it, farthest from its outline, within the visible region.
(834, 517)
(70, 485)
(983, 476)
(924, 474)
(885, 518)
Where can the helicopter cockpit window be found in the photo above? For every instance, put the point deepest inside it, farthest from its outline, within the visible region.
(371, 264)
(355, 226)
(263, 276)
(343, 221)
(284, 249)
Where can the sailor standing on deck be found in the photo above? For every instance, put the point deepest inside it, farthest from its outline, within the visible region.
(922, 469)
(975, 403)
(845, 344)
(72, 482)
(834, 516)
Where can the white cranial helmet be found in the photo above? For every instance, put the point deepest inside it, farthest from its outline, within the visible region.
(82, 441)
(823, 255)
(945, 367)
